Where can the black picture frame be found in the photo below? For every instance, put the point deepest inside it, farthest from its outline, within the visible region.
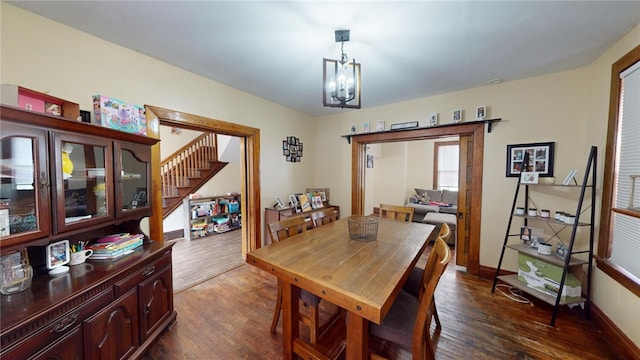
(539, 156)
(139, 198)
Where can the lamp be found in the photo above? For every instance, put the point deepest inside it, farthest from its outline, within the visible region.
(341, 78)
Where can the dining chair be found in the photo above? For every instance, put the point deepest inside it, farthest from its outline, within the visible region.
(408, 321)
(415, 282)
(278, 231)
(323, 217)
(396, 212)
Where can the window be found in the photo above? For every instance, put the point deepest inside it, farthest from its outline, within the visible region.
(445, 172)
(618, 244)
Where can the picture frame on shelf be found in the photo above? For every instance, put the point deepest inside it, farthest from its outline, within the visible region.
(323, 195)
(279, 202)
(532, 157)
(457, 115)
(352, 130)
(319, 191)
(380, 125)
(481, 112)
(365, 127)
(433, 119)
(569, 177)
(139, 198)
(305, 205)
(529, 177)
(293, 200)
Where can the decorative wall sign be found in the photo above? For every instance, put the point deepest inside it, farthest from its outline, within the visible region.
(292, 149)
(405, 125)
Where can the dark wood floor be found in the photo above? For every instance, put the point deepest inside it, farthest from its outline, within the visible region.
(228, 317)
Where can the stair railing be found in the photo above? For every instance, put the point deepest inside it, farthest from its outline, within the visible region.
(186, 162)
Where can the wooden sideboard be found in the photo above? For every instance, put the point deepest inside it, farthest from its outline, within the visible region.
(107, 309)
(98, 310)
(272, 215)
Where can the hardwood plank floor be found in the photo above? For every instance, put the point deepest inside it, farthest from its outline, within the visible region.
(203, 258)
(228, 317)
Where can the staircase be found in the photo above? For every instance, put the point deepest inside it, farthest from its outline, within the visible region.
(186, 170)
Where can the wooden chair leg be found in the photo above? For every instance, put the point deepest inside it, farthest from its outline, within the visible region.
(435, 314)
(314, 319)
(278, 309)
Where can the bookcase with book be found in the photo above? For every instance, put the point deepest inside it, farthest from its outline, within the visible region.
(205, 216)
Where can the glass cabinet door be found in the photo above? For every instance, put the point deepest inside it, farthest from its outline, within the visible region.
(84, 181)
(132, 178)
(24, 185)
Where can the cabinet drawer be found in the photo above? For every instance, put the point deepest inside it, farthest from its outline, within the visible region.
(59, 328)
(69, 347)
(145, 272)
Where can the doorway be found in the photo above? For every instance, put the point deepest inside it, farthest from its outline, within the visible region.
(249, 139)
(471, 168)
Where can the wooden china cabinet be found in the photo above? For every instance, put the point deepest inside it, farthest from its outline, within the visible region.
(64, 179)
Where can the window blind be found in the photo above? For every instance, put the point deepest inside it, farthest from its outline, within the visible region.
(448, 167)
(626, 229)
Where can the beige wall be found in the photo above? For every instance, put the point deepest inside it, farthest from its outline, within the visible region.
(569, 108)
(46, 56)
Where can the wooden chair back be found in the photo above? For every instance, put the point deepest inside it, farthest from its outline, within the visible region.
(395, 212)
(323, 217)
(429, 268)
(286, 228)
(422, 344)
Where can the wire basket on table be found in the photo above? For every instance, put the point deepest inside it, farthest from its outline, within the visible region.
(363, 228)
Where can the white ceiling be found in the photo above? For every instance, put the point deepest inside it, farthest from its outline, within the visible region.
(408, 49)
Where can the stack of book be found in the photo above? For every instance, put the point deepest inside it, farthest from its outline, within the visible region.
(114, 246)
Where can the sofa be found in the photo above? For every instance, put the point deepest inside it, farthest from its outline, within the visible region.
(433, 201)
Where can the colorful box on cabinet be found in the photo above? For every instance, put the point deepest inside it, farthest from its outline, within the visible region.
(32, 100)
(545, 277)
(119, 115)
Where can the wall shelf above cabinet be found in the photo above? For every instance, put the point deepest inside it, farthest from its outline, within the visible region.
(489, 123)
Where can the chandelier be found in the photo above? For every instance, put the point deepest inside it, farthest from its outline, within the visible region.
(341, 78)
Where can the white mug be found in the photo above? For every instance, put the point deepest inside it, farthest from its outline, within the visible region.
(79, 257)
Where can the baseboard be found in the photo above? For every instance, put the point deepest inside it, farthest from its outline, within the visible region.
(618, 340)
(172, 235)
(486, 272)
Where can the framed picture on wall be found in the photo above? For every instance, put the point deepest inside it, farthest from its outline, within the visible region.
(534, 157)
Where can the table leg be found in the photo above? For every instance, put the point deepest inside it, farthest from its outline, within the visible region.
(290, 313)
(357, 337)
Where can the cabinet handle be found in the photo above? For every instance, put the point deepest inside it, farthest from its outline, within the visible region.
(65, 323)
(146, 309)
(150, 270)
(44, 185)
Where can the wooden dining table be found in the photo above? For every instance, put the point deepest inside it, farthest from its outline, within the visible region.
(362, 277)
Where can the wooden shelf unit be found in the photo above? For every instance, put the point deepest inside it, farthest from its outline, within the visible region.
(211, 215)
(573, 260)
